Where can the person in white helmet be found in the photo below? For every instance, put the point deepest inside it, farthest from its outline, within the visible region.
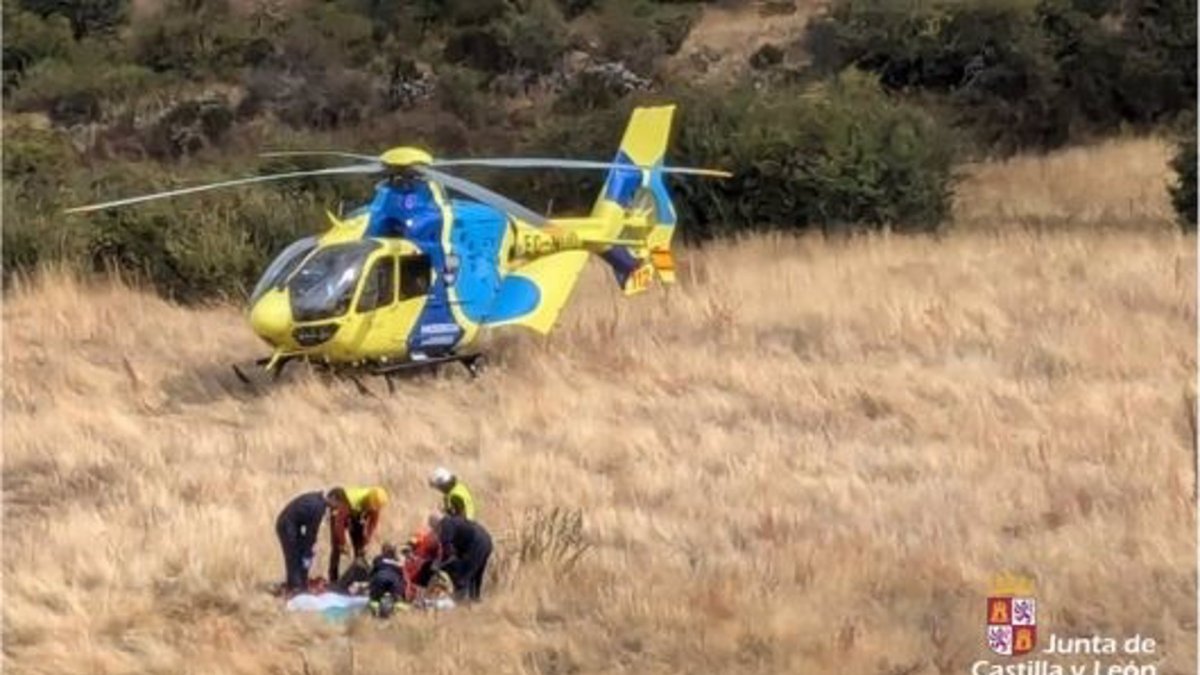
(456, 498)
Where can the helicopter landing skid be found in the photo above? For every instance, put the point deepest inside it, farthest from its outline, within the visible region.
(262, 365)
(472, 362)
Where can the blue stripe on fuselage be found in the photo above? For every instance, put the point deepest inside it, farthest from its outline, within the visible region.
(409, 210)
(477, 236)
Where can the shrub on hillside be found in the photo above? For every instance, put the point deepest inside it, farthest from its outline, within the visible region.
(193, 40)
(483, 48)
(35, 161)
(538, 35)
(845, 155)
(986, 57)
(36, 157)
(459, 93)
(1023, 73)
(639, 32)
(28, 39)
(1183, 192)
(531, 37)
(87, 17)
(573, 8)
(79, 89)
(832, 156)
(213, 245)
(189, 127)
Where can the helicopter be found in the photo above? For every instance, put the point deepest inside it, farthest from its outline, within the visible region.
(411, 278)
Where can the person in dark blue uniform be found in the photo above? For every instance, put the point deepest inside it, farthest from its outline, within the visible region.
(297, 527)
(387, 585)
(465, 549)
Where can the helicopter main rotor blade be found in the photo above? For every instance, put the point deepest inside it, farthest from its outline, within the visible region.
(355, 169)
(482, 194)
(319, 153)
(551, 163)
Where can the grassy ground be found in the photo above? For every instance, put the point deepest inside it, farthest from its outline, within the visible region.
(807, 457)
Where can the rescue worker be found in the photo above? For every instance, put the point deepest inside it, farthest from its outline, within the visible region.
(456, 498)
(420, 554)
(356, 509)
(388, 585)
(297, 526)
(465, 549)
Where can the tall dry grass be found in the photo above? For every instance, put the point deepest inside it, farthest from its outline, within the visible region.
(809, 456)
(1118, 184)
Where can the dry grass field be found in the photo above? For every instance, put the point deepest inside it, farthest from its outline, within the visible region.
(808, 457)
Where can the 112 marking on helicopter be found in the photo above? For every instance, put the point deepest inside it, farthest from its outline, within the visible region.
(412, 277)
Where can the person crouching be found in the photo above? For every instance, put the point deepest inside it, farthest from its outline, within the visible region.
(465, 547)
(387, 585)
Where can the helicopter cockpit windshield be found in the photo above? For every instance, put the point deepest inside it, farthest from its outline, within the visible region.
(324, 285)
(282, 266)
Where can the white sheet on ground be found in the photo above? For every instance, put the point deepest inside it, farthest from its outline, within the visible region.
(307, 602)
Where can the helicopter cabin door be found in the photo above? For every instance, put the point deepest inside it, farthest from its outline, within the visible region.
(436, 331)
(385, 314)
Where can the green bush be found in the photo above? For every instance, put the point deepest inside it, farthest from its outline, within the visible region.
(189, 248)
(1023, 73)
(195, 40)
(189, 127)
(213, 245)
(459, 92)
(538, 36)
(487, 49)
(87, 17)
(472, 12)
(1183, 192)
(840, 155)
(28, 39)
(337, 34)
(573, 8)
(35, 162)
(987, 57)
(638, 32)
(672, 24)
(588, 91)
(78, 90)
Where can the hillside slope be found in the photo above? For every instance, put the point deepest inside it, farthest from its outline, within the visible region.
(810, 456)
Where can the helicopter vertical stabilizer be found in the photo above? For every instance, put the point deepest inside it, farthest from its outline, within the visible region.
(636, 206)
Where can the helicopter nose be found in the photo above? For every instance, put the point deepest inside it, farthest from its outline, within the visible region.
(271, 317)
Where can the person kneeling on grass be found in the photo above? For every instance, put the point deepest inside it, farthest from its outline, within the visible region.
(356, 511)
(465, 549)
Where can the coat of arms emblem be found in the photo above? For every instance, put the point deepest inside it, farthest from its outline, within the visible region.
(1011, 616)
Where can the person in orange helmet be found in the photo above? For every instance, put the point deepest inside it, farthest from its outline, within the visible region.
(357, 510)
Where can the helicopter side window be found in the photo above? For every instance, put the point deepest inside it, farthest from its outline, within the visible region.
(415, 274)
(379, 289)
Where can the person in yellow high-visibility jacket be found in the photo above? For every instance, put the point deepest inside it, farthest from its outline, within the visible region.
(456, 498)
(356, 509)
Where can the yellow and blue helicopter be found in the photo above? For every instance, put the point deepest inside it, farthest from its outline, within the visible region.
(412, 278)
